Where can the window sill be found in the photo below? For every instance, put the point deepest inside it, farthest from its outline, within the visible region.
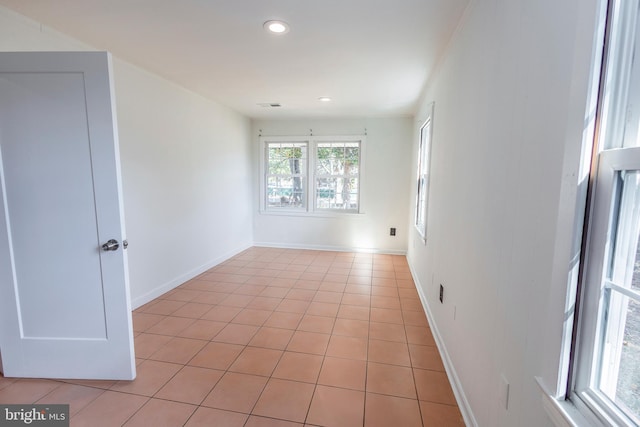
(562, 413)
(314, 214)
(422, 237)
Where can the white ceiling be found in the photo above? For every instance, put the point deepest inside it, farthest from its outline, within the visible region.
(372, 57)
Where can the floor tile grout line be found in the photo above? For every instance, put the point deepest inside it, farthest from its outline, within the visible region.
(260, 395)
(136, 411)
(366, 377)
(191, 416)
(308, 264)
(315, 387)
(265, 384)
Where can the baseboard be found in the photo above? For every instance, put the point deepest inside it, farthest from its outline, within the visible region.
(166, 287)
(456, 385)
(329, 248)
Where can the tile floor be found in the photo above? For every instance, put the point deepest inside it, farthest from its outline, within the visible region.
(273, 337)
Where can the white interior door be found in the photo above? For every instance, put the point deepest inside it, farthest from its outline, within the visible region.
(65, 308)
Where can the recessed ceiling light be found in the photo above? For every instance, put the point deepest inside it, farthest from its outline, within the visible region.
(324, 99)
(276, 27)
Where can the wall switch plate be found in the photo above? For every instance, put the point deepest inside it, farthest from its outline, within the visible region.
(392, 231)
(441, 293)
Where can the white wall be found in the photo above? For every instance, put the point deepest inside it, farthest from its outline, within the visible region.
(186, 169)
(384, 189)
(506, 145)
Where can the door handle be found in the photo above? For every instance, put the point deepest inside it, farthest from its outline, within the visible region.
(111, 245)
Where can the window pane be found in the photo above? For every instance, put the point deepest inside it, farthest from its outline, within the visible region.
(332, 157)
(420, 216)
(351, 167)
(626, 229)
(279, 166)
(619, 352)
(337, 175)
(290, 166)
(628, 387)
(337, 193)
(424, 148)
(286, 192)
(635, 281)
(286, 158)
(323, 165)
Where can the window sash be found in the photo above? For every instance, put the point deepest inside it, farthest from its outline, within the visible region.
(337, 200)
(293, 195)
(614, 230)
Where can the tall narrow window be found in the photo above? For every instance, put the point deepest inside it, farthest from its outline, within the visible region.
(607, 378)
(337, 175)
(422, 197)
(286, 164)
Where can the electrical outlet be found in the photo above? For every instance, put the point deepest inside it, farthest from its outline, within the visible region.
(441, 294)
(392, 231)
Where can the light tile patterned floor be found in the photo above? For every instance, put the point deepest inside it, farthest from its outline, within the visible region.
(273, 337)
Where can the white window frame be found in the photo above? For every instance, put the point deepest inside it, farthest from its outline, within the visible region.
(312, 142)
(424, 174)
(593, 357)
(264, 144)
(596, 363)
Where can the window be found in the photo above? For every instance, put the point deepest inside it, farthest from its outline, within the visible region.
(607, 362)
(337, 171)
(424, 154)
(327, 180)
(286, 174)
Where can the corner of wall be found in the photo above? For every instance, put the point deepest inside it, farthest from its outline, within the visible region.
(177, 281)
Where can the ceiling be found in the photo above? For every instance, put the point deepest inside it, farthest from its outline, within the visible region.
(372, 57)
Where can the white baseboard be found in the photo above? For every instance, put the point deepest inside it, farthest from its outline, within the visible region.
(166, 287)
(329, 248)
(456, 385)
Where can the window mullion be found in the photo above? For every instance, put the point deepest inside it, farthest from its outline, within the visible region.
(635, 295)
(312, 181)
